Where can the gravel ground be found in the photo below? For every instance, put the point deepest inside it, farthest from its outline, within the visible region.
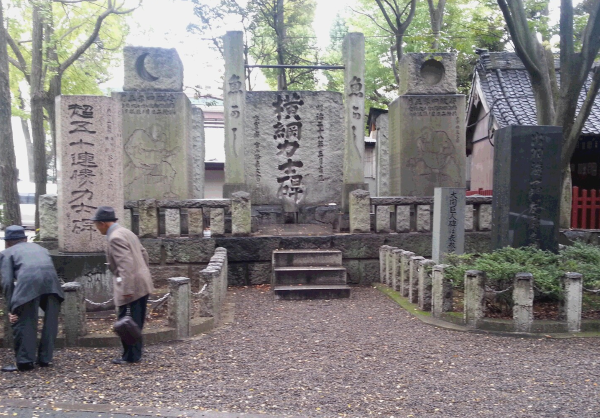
(353, 357)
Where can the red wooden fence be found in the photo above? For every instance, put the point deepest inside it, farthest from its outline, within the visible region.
(585, 209)
(480, 191)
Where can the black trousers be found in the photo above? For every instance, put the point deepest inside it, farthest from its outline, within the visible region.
(25, 329)
(133, 353)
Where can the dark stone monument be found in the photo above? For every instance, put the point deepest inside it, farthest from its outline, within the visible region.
(527, 186)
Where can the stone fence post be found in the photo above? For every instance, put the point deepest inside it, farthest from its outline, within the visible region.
(474, 297)
(405, 271)
(48, 217)
(396, 268)
(360, 211)
(217, 221)
(382, 219)
(570, 307)
(413, 279)
(523, 302)
(389, 265)
(148, 222)
(172, 222)
(179, 305)
(424, 284)
(73, 313)
(241, 213)
(382, 262)
(441, 291)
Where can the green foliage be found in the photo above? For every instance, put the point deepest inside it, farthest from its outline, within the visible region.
(547, 268)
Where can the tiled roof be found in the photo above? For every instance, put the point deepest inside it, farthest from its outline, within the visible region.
(507, 89)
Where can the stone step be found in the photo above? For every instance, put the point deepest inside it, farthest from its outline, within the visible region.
(311, 292)
(299, 258)
(309, 275)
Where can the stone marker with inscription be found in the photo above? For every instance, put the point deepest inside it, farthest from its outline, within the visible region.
(427, 128)
(527, 186)
(294, 151)
(448, 222)
(90, 168)
(161, 160)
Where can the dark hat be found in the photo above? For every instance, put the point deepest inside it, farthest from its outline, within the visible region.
(104, 214)
(14, 232)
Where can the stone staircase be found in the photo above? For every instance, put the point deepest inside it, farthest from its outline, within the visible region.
(309, 274)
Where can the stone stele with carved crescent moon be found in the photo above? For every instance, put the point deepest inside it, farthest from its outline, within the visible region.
(140, 66)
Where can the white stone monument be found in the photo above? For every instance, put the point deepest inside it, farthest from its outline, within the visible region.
(448, 222)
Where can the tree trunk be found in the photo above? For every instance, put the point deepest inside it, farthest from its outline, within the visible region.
(54, 87)
(280, 31)
(27, 136)
(37, 106)
(8, 162)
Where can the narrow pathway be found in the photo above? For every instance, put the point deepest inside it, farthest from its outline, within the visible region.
(352, 357)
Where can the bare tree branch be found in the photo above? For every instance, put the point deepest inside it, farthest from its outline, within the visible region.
(373, 20)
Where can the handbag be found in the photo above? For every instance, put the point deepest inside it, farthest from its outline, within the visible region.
(126, 328)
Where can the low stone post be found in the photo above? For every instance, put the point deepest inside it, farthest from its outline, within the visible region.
(127, 221)
(360, 211)
(172, 222)
(179, 305)
(413, 279)
(396, 268)
(148, 218)
(241, 213)
(382, 219)
(523, 302)
(382, 262)
(441, 291)
(570, 307)
(424, 284)
(48, 217)
(474, 297)
(468, 217)
(403, 218)
(389, 269)
(485, 217)
(73, 313)
(405, 272)
(217, 221)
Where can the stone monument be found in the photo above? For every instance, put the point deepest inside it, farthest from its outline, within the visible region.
(527, 186)
(90, 174)
(448, 222)
(161, 159)
(427, 127)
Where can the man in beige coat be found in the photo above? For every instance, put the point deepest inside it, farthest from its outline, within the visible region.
(132, 283)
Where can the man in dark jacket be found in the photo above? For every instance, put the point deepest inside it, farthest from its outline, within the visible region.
(29, 282)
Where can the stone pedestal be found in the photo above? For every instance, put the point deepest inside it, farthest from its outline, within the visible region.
(527, 187)
(448, 222)
(90, 174)
(353, 51)
(241, 214)
(91, 272)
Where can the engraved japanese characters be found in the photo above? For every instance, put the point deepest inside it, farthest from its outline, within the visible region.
(90, 168)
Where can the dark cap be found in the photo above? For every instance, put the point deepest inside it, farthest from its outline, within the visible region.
(14, 232)
(104, 214)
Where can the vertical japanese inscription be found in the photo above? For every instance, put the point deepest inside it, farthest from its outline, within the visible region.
(288, 134)
(257, 155)
(81, 202)
(534, 197)
(452, 222)
(320, 141)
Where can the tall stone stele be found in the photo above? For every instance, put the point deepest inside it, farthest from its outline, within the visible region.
(163, 142)
(427, 127)
(90, 168)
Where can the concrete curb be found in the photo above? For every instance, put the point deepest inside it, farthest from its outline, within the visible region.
(426, 318)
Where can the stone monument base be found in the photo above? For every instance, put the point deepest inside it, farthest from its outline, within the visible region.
(91, 271)
(273, 215)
